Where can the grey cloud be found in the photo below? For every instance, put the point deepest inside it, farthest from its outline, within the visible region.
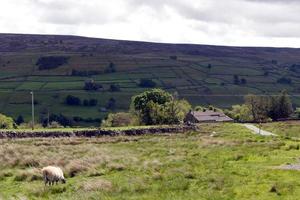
(70, 12)
(267, 18)
(273, 18)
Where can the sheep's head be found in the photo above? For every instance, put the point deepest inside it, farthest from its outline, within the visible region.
(63, 181)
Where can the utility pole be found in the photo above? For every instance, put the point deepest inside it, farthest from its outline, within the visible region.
(32, 109)
(48, 117)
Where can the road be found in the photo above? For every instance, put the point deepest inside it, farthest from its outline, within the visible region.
(256, 130)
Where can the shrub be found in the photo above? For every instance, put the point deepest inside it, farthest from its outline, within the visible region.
(241, 113)
(19, 120)
(284, 80)
(92, 85)
(120, 119)
(147, 83)
(111, 68)
(6, 122)
(61, 119)
(114, 88)
(111, 104)
(51, 62)
(90, 102)
(72, 100)
(55, 124)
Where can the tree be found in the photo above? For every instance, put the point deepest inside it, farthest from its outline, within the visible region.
(61, 119)
(6, 122)
(72, 100)
(241, 113)
(111, 68)
(159, 107)
(19, 120)
(147, 83)
(259, 106)
(111, 104)
(93, 102)
(281, 106)
(86, 102)
(284, 80)
(243, 81)
(236, 79)
(176, 111)
(92, 85)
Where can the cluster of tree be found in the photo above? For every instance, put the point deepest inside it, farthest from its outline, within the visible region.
(72, 100)
(111, 68)
(87, 120)
(6, 122)
(262, 108)
(151, 107)
(92, 85)
(85, 73)
(157, 106)
(90, 102)
(211, 108)
(60, 119)
(284, 80)
(238, 81)
(75, 101)
(294, 68)
(51, 62)
(147, 83)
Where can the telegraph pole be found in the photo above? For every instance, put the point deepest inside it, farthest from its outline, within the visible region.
(32, 109)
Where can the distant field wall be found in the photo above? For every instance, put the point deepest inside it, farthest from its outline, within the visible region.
(93, 133)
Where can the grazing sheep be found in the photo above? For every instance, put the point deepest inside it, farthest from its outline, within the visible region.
(53, 174)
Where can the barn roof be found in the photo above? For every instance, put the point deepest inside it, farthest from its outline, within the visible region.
(210, 116)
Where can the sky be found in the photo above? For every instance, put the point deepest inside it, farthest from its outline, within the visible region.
(216, 22)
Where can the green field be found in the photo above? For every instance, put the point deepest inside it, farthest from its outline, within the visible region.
(188, 74)
(221, 161)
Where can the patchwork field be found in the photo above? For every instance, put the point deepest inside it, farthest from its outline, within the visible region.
(202, 74)
(221, 161)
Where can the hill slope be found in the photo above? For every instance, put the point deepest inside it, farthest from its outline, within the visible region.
(202, 74)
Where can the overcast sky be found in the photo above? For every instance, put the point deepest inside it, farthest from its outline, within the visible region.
(218, 22)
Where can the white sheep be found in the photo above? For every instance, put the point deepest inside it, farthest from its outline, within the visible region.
(53, 174)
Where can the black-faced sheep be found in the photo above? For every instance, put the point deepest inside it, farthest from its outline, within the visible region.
(53, 175)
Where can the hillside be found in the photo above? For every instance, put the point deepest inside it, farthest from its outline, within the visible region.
(202, 74)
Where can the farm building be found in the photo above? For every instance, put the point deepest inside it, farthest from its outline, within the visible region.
(207, 116)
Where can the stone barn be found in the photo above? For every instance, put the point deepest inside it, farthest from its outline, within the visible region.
(206, 117)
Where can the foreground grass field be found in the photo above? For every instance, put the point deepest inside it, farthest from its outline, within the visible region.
(221, 161)
(286, 129)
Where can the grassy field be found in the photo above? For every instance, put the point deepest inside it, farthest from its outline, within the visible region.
(189, 74)
(286, 129)
(221, 161)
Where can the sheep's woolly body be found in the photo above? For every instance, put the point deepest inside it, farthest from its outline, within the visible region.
(52, 174)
